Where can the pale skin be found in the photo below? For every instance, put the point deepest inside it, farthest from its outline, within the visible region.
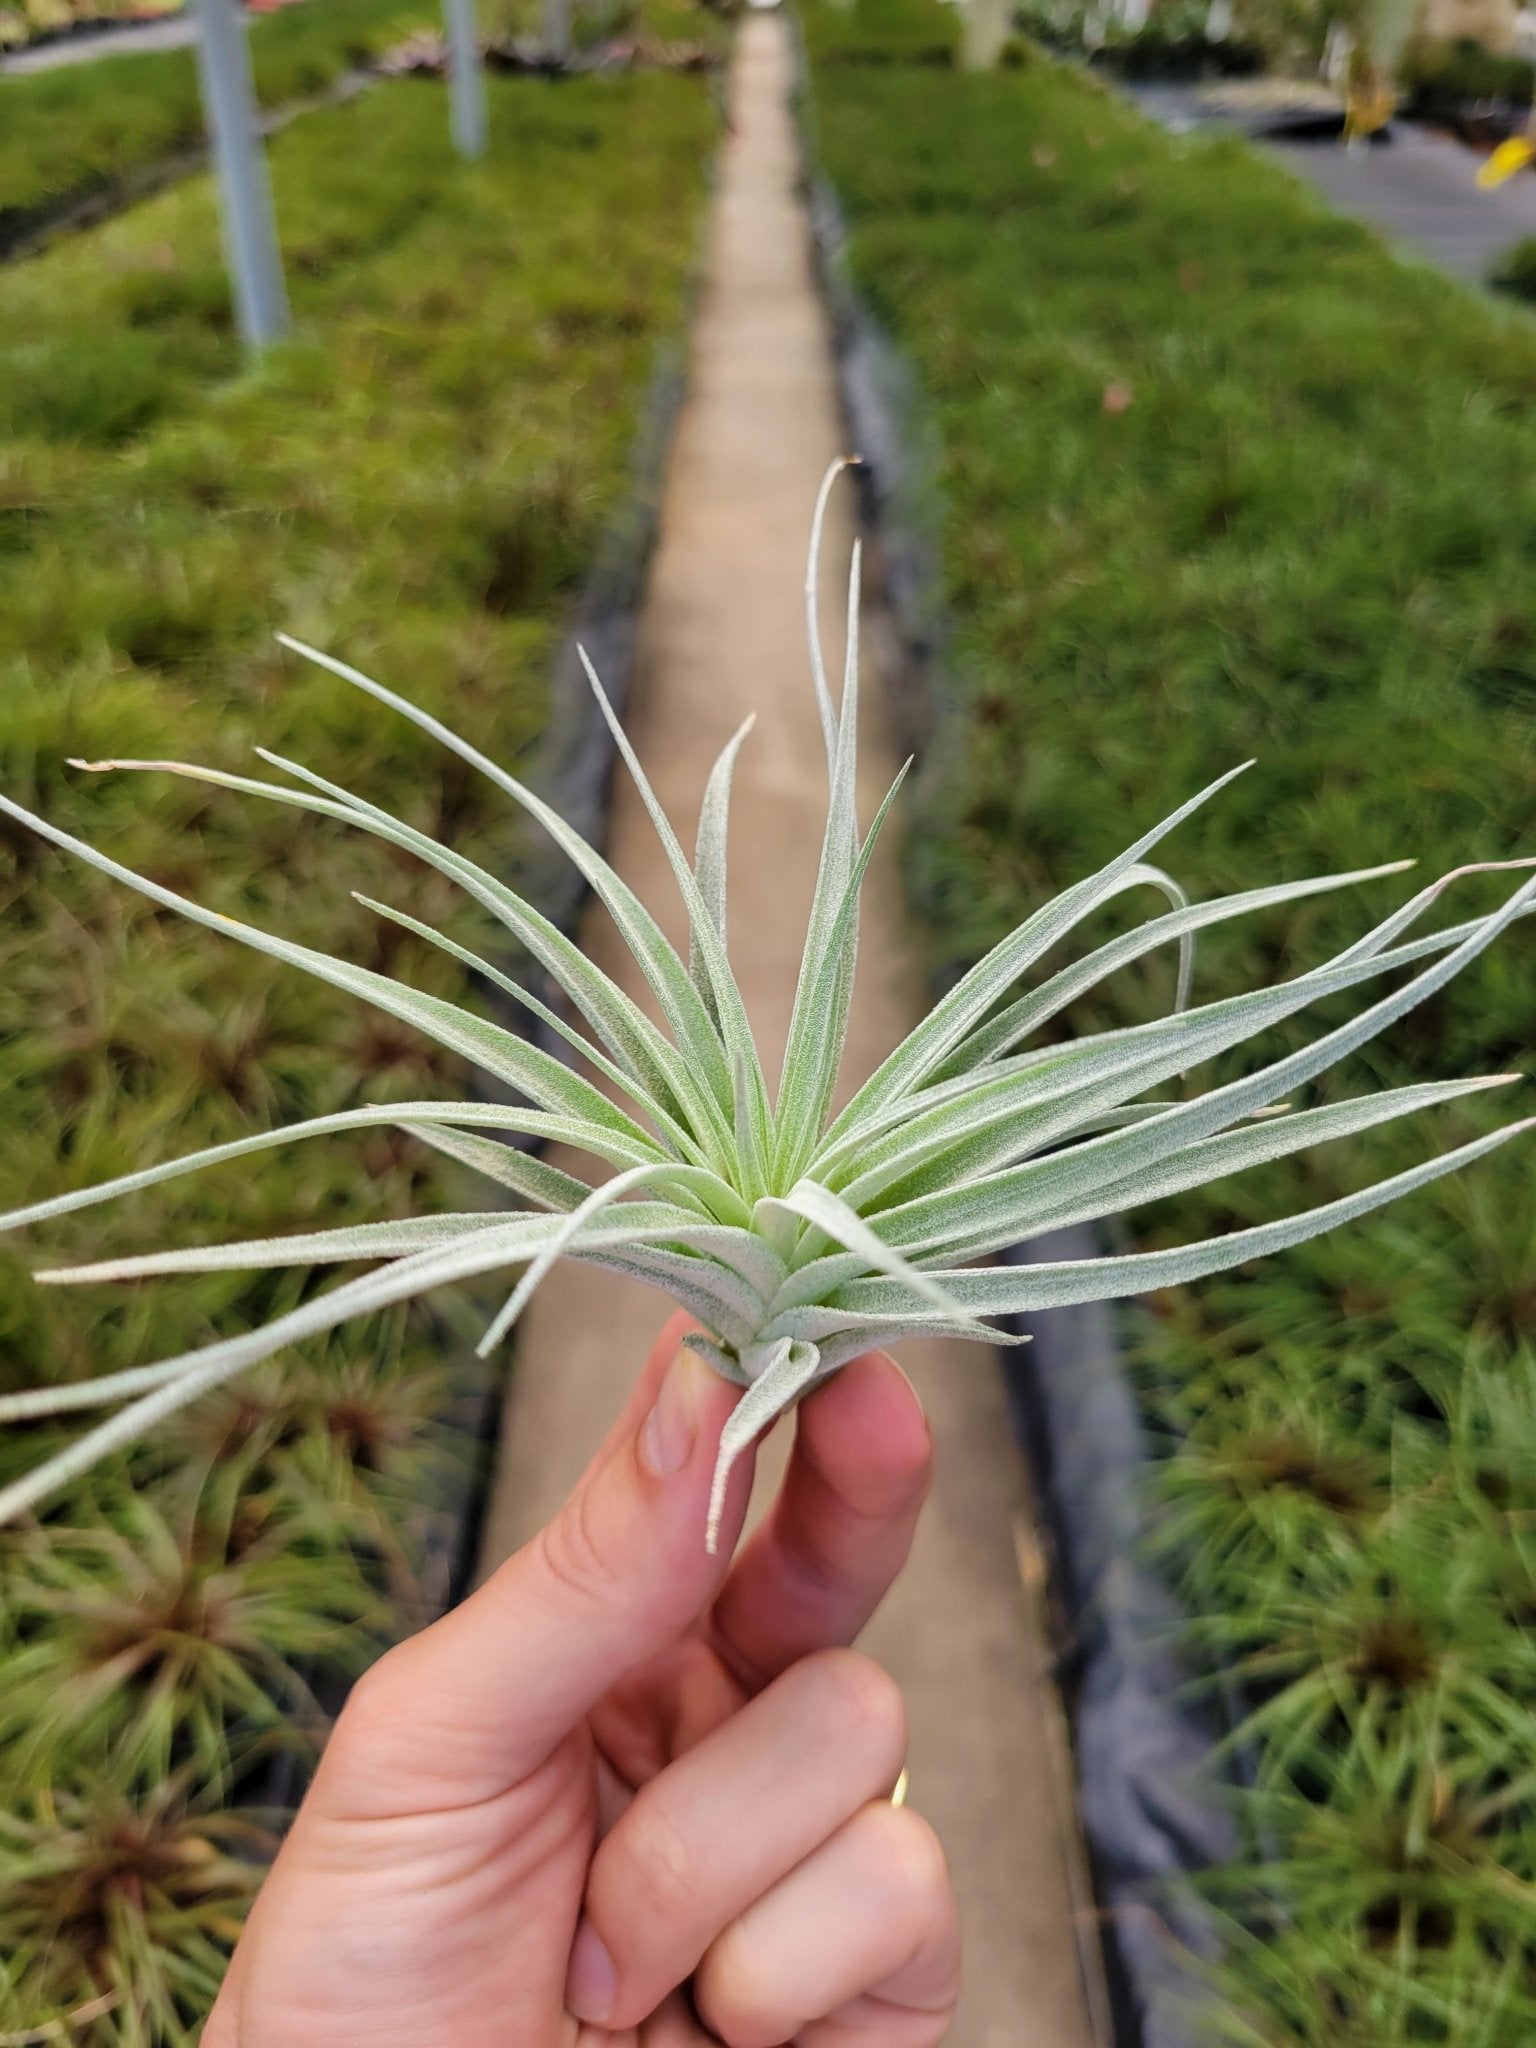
(628, 1795)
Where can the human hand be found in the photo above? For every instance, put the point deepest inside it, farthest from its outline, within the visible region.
(627, 1795)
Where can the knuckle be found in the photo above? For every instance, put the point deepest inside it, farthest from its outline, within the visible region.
(571, 1550)
(864, 1702)
(915, 1860)
(660, 1868)
(372, 1744)
(374, 1702)
(735, 1998)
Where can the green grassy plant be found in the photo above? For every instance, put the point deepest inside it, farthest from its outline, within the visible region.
(68, 132)
(595, 22)
(1515, 270)
(432, 463)
(1252, 522)
(156, 1638)
(119, 1910)
(905, 32)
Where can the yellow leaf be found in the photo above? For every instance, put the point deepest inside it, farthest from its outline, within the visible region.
(1508, 158)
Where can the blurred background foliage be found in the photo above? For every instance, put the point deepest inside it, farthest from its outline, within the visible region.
(33, 21)
(84, 128)
(1463, 64)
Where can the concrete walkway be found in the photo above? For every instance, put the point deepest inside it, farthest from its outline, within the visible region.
(721, 635)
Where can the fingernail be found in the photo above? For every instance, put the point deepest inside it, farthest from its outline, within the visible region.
(917, 1399)
(592, 1983)
(668, 1433)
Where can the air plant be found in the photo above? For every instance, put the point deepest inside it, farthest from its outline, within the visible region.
(795, 1236)
(155, 1639)
(117, 1913)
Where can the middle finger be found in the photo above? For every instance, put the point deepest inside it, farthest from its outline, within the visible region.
(839, 1532)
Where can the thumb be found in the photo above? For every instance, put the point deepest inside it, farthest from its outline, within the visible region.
(621, 1572)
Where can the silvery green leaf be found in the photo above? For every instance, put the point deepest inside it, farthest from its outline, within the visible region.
(629, 1034)
(714, 1295)
(485, 1115)
(748, 1092)
(673, 1136)
(1015, 1290)
(562, 1237)
(672, 1072)
(955, 1014)
(832, 1218)
(1014, 1108)
(824, 706)
(1005, 1030)
(777, 1375)
(709, 854)
(641, 933)
(534, 1179)
(1081, 1183)
(819, 1023)
(351, 1242)
(185, 1377)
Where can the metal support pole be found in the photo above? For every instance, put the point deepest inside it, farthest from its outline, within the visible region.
(466, 80)
(557, 30)
(250, 231)
(984, 29)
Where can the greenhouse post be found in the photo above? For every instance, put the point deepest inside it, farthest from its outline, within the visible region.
(250, 232)
(466, 80)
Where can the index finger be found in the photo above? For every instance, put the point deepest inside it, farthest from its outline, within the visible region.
(617, 1577)
(840, 1529)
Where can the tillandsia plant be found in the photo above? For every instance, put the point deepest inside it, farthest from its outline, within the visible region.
(795, 1236)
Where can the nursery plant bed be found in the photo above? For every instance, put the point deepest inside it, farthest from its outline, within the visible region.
(1191, 505)
(102, 134)
(438, 479)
